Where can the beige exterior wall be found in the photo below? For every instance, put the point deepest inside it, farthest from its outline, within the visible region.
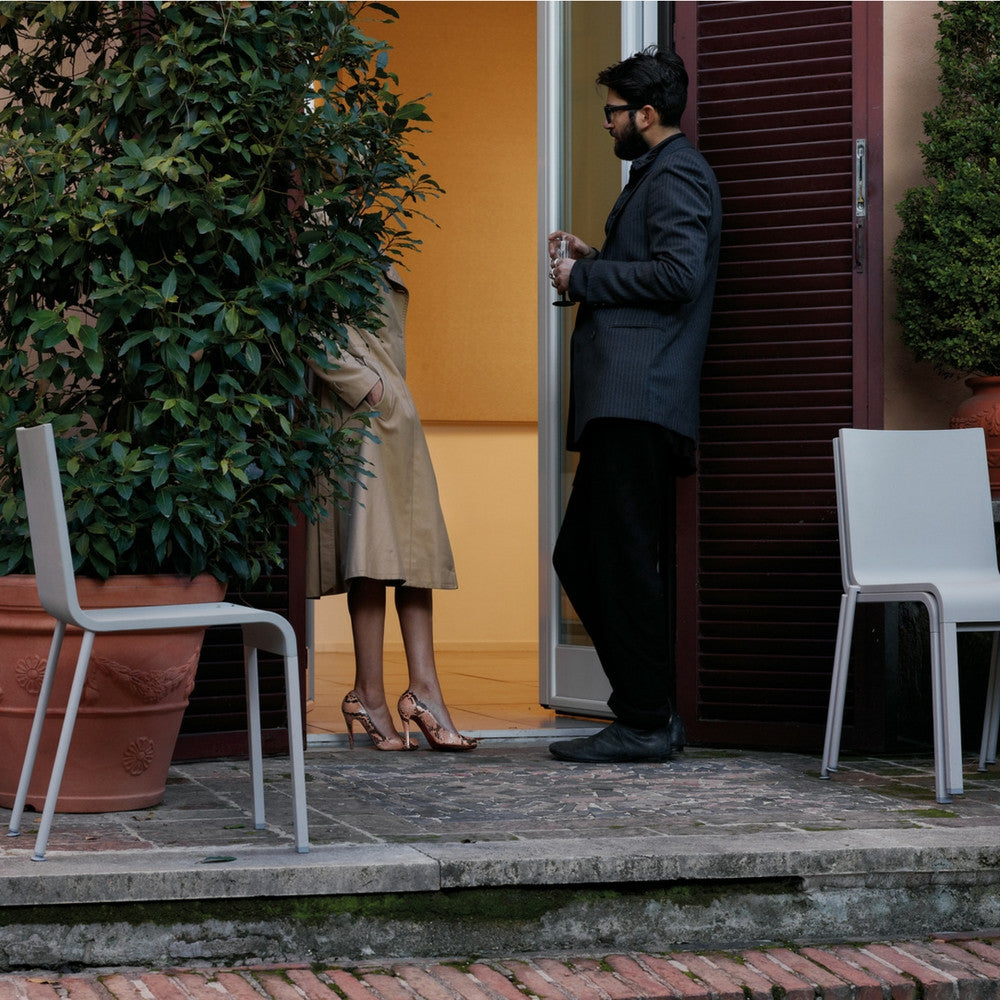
(915, 395)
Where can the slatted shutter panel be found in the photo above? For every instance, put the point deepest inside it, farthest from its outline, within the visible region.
(758, 572)
(215, 723)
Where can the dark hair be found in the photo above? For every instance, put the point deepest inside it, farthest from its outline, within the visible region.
(653, 76)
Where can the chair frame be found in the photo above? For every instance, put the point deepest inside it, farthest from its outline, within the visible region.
(262, 630)
(943, 636)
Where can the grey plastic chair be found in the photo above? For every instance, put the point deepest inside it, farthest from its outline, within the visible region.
(916, 524)
(57, 592)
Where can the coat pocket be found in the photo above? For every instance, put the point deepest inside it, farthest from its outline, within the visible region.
(625, 357)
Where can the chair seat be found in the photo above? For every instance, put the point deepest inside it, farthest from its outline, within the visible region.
(967, 598)
(143, 619)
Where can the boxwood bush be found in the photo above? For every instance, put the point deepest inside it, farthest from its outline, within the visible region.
(946, 260)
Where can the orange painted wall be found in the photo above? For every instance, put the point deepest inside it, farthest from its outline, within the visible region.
(472, 326)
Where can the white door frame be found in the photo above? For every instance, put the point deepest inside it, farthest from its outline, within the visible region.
(570, 677)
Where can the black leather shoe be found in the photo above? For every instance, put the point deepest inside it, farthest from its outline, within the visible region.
(678, 737)
(617, 744)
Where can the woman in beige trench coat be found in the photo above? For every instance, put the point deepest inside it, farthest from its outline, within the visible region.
(392, 534)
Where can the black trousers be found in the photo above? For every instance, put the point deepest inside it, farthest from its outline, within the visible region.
(615, 559)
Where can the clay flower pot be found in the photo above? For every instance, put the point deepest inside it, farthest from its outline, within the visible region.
(982, 409)
(137, 690)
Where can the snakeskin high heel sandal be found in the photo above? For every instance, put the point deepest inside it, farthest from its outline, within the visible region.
(439, 737)
(354, 711)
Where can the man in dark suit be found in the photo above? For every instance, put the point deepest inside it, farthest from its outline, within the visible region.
(645, 299)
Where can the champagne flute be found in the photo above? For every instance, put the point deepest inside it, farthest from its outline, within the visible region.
(561, 254)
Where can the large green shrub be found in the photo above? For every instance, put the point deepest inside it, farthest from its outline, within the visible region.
(195, 199)
(947, 257)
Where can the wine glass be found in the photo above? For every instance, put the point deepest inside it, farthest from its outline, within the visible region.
(561, 254)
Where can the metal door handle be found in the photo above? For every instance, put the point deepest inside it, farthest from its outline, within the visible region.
(860, 201)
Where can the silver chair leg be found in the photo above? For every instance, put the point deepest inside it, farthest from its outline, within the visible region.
(254, 734)
(296, 752)
(38, 723)
(838, 684)
(62, 750)
(947, 718)
(277, 637)
(991, 716)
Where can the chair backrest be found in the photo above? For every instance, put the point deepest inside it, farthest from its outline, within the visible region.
(912, 504)
(36, 448)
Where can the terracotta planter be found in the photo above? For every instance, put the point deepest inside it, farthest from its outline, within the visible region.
(982, 409)
(137, 690)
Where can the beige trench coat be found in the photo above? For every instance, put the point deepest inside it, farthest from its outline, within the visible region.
(393, 529)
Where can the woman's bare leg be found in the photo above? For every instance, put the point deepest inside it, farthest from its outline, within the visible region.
(414, 605)
(366, 604)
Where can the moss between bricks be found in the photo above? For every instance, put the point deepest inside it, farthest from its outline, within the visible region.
(505, 904)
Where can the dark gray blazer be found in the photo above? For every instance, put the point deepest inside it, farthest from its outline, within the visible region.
(646, 299)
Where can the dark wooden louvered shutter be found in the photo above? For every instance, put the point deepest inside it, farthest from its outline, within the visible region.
(215, 723)
(758, 565)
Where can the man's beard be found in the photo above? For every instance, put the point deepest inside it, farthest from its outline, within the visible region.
(631, 145)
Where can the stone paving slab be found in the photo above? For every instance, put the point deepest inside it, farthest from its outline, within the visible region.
(509, 814)
(956, 968)
(517, 792)
(175, 874)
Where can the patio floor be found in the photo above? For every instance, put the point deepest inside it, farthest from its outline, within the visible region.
(507, 851)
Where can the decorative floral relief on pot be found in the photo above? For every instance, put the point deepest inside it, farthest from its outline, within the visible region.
(149, 686)
(30, 673)
(138, 756)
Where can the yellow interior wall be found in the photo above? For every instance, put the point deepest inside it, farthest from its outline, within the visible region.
(471, 331)
(472, 323)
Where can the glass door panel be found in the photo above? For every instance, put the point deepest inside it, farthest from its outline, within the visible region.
(591, 181)
(579, 179)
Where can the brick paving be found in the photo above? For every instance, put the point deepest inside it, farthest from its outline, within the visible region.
(936, 969)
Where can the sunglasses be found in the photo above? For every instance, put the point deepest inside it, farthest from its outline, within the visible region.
(610, 109)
